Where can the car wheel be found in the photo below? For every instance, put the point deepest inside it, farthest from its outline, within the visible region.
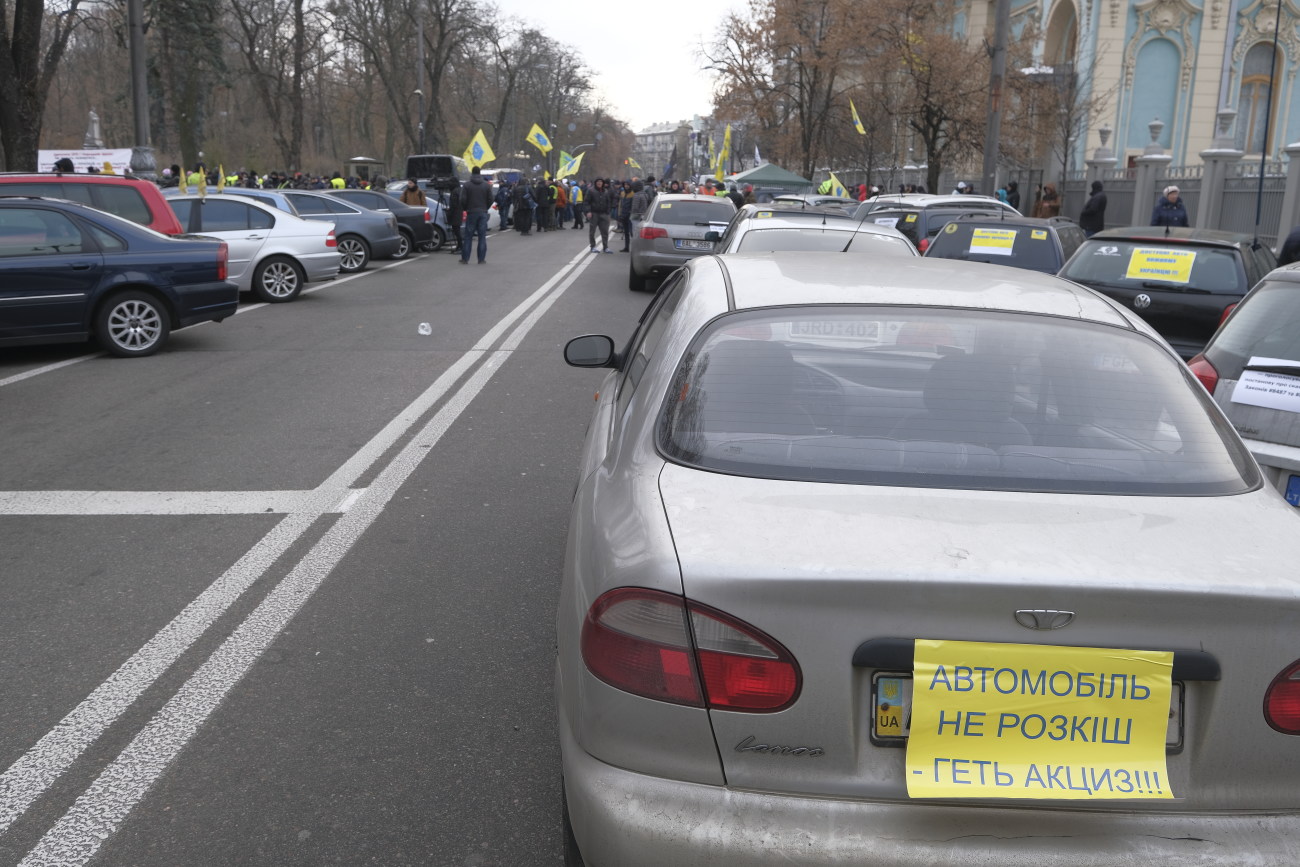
(439, 238)
(635, 281)
(277, 280)
(572, 855)
(403, 246)
(354, 254)
(132, 324)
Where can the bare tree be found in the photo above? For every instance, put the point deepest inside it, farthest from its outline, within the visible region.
(32, 43)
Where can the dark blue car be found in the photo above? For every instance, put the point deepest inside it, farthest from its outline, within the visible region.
(69, 273)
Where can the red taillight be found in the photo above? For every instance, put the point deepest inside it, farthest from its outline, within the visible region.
(1227, 311)
(1282, 701)
(330, 240)
(223, 261)
(1205, 372)
(923, 244)
(649, 233)
(638, 641)
(427, 217)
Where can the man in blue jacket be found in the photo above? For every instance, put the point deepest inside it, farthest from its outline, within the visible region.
(1169, 211)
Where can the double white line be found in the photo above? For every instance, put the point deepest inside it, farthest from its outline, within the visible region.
(100, 810)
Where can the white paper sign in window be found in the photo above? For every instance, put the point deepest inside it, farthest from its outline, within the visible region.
(1267, 388)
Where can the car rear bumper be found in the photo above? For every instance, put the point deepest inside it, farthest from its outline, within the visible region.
(654, 262)
(386, 248)
(203, 302)
(626, 819)
(319, 266)
(1279, 462)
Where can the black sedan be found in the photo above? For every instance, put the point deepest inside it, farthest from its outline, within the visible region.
(413, 221)
(69, 273)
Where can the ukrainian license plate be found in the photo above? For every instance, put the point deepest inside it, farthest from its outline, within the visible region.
(862, 330)
(891, 710)
(694, 245)
(1293, 491)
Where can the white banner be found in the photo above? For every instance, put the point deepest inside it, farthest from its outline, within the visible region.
(118, 158)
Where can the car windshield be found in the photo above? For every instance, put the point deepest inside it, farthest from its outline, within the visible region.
(904, 220)
(998, 243)
(1267, 327)
(813, 238)
(932, 398)
(686, 212)
(1150, 264)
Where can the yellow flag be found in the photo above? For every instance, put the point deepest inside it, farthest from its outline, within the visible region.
(180, 182)
(724, 154)
(838, 189)
(221, 177)
(108, 168)
(479, 151)
(633, 163)
(538, 139)
(569, 168)
(713, 155)
(857, 121)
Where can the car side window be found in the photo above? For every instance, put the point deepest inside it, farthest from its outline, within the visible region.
(373, 201)
(225, 216)
(309, 205)
(108, 243)
(37, 232)
(125, 202)
(182, 209)
(648, 336)
(259, 219)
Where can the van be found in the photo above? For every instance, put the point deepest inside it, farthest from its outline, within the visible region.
(443, 171)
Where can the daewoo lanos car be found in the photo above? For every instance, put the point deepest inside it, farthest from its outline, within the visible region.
(69, 272)
(673, 232)
(805, 481)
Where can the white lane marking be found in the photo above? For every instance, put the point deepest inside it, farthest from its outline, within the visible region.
(37, 769)
(159, 502)
(350, 499)
(247, 308)
(97, 813)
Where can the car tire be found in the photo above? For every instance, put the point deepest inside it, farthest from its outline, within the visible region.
(354, 254)
(572, 855)
(635, 281)
(277, 280)
(439, 238)
(404, 245)
(132, 324)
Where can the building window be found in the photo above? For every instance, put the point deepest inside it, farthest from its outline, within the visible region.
(1252, 104)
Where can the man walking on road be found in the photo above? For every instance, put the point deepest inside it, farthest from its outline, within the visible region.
(1092, 219)
(597, 205)
(476, 198)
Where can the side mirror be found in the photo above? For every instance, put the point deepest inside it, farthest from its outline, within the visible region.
(715, 237)
(590, 350)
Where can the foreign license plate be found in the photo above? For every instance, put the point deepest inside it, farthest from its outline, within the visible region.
(1293, 491)
(891, 708)
(694, 245)
(869, 330)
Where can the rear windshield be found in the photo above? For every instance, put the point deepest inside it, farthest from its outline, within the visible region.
(816, 239)
(904, 221)
(1266, 327)
(926, 398)
(1136, 264)
(1000, 244)
(684, 212)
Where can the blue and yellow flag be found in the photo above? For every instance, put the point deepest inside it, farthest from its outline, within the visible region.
(724, 154)
(568, 166)
(634, 164)
(565, 159)
(221, 177)
(713, 156)
(538, 139)
(857, 121)
(479, 151)
(836, 188)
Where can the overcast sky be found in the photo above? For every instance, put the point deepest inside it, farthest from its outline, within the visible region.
(647, 66)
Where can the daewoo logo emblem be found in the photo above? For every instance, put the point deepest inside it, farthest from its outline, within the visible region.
(1142, 301)
(1043, 618)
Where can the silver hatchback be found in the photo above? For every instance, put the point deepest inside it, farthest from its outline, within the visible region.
(917, 566)
(673, 233)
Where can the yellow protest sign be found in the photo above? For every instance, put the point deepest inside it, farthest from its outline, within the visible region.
(1038, 234)
(1153, 263)
(1033, 721)
(993, 242)
(911, 218)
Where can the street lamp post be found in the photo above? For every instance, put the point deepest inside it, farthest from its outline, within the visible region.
(420, 126)
(143, 163)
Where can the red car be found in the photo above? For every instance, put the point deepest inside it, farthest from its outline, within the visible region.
(130, 198)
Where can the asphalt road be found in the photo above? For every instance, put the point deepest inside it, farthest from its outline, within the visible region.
(284, 593)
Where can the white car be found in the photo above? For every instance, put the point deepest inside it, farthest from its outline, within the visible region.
(273, 254)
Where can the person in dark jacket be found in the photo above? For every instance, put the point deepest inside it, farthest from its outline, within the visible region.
(476, 197)
(1013, 195)
(454, 209)
(523, 205)
(1169, 211)
(1092, 219)
(597, 205)
(1290, 248)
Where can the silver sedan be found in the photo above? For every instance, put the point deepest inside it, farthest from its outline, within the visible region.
(925, 565)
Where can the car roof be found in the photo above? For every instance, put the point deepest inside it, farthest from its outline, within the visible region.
(1175, 234)
(243, 200)
(81, 177)
(1006, 218)
(792, 210)
(1285, 273)
(810, 220)
(777, 279)
(689, 197)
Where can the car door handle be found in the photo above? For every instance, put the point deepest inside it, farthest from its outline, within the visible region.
(80, 266)
(254, 237)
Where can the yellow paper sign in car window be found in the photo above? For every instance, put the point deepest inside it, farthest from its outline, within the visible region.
(993, 242)
(762, 214)
(1032, 721)
(1038, 234)
(665, 206)
(911, 218)
(1153, 263)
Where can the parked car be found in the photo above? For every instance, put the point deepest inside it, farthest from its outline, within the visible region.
(848, 206)
(778, 226)
(129, 198)
(920, 216)
(273, 254)
(673, 233)
(69, 272)
(1000, 239)
(413, 221)
(1252, 368)
(361, 234)
(1183, 281)
(437, 208)
(807, 484)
